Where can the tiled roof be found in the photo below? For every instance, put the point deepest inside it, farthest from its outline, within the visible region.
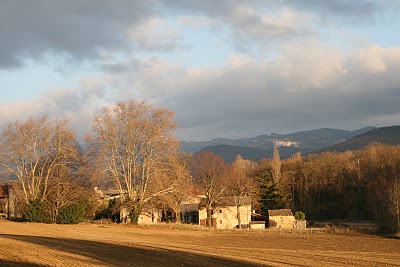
(224, 202)
(281, 212)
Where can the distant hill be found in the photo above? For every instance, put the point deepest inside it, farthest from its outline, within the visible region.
(299, 141)
(385, 135)
(229, 153)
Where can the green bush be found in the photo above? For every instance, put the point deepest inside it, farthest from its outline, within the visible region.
(35, 212)
(111, 211)
(73, 214)
(300, 216)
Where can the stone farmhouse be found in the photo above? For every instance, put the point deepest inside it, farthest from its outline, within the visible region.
(150, 216)
(147, 217)
(225, 213)
(283, 218)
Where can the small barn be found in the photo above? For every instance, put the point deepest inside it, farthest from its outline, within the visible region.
(281, 218)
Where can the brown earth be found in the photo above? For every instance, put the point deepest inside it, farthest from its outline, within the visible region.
(25, 244)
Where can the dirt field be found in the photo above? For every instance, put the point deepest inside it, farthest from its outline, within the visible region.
(24, 244)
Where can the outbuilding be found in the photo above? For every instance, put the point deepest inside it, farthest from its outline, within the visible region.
(281, 218)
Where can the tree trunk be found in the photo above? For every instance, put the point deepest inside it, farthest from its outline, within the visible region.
(238, 216)
(178, 215)
(209, 217)
(134, 214)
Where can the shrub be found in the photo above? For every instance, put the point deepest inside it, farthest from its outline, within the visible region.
(109, 211)
(35, 212)
(73, 214)
(300, 216)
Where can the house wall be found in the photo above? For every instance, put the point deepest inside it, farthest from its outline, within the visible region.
(286, 222)
(148, 218)
(302, 224)
(226, 217)
(257, 225)
(8, 203)
(145, 218)
(190, 211)
(3, 207)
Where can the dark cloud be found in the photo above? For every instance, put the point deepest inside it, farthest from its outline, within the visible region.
(338, 7)
(80, 29)
(247, 21)
(92, 29)
(344, 11)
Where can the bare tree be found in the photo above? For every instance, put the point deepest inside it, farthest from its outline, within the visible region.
(31, 151)
(210, 174)
(180, 177)
(66, 186)
(241, 184)
(132, 143)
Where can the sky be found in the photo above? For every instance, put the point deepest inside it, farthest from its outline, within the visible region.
(226, 68)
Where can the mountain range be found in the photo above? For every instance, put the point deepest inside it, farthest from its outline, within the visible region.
(305, 142)
(385, 135)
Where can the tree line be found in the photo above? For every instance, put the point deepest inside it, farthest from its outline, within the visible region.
(131, 149)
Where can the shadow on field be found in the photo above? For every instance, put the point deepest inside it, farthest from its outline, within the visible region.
(120, 255)
(18, 264)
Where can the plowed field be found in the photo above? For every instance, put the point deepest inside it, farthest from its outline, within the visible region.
(24, 244)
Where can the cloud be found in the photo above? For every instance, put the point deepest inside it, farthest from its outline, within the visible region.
(134, 50)
(76, 29)
(91, 30)
(78, 105)
(155, 34)
(249, 22)
(307, 86)
(346, 12)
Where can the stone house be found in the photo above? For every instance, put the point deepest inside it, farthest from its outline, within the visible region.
(190, 210)
(281, 218)
(225, 212)
(146, 217)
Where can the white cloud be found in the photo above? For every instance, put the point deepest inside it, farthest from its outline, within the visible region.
(154, 33)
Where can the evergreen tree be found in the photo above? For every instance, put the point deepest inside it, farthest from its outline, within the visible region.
(271, 196)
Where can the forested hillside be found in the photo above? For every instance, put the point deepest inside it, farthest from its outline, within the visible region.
(385, 135)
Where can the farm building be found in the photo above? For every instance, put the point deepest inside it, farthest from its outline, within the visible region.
(282, 218)
(147, 217)
(225, 213)
(3, 200)
(257, 225)
(8, 201)
(190, 210)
